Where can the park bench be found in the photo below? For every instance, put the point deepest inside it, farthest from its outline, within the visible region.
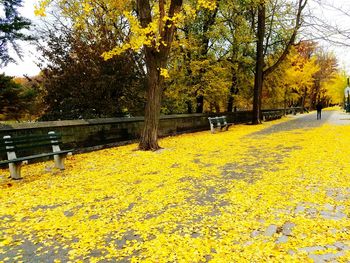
(43, 145)
(218, 123)
(271, 115)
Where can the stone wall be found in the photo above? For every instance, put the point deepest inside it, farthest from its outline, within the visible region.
(84, 135)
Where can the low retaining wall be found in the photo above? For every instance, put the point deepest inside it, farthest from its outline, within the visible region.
(98, 133)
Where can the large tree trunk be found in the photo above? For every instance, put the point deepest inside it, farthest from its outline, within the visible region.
(259, 67)
(260, 73)
(156, 59)
(149, 136)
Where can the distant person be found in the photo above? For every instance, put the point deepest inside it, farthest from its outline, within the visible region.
(319, 109)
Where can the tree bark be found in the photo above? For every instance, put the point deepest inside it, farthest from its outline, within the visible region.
(155, 59)
(260, 73)
(259, 67)
(149, 135)
(200, 104)
(189, 107)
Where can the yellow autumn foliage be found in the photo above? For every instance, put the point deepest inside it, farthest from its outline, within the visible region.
(204, 197)
(135, 35)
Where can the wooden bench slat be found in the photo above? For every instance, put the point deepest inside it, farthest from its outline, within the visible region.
(37, 139)
(25, 143)
(33, 146)
(21, 148)
(34, 136)
(17, 147)
(220, 122)
(6, 142)
(37, 156)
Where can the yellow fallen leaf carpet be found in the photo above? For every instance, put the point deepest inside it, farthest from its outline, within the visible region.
(276, 192)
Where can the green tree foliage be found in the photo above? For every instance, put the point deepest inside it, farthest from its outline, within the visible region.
(148, 26)
(194, 59)
(12, 99)
(235, 43)
(11, 30)
(183, 56)
(277, 29)
(208, 84)
(211, 61)
(32, 94)
(79, 83)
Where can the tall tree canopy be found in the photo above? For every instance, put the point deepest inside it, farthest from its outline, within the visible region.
(144, 25)
(16, 100)
(187, 55)
(11, 30)
(274, 33)
(78, 82)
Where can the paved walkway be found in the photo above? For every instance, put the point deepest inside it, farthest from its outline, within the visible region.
(277, 192)
(316, 253)
(309, 121)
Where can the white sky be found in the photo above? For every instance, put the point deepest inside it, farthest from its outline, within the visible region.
(330, 13)
(27, 66)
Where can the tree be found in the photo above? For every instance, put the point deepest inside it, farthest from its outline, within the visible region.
(11, 26)
(259, 66)
(78, 82)
(237, 34)
(307, 76)
(182, 89)
(291, 81)
(323, 26)
(328, 68)
(12, 102)
(149, 26)
(206, 21)
(335, 88)
(264, 45)
(199, 76)
(156, 57)
(32, 97)
(211, 65)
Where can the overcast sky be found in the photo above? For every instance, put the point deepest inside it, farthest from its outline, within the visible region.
(334, 17)
(27, 66)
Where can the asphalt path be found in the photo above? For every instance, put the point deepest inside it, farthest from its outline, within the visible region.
(308, 121)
